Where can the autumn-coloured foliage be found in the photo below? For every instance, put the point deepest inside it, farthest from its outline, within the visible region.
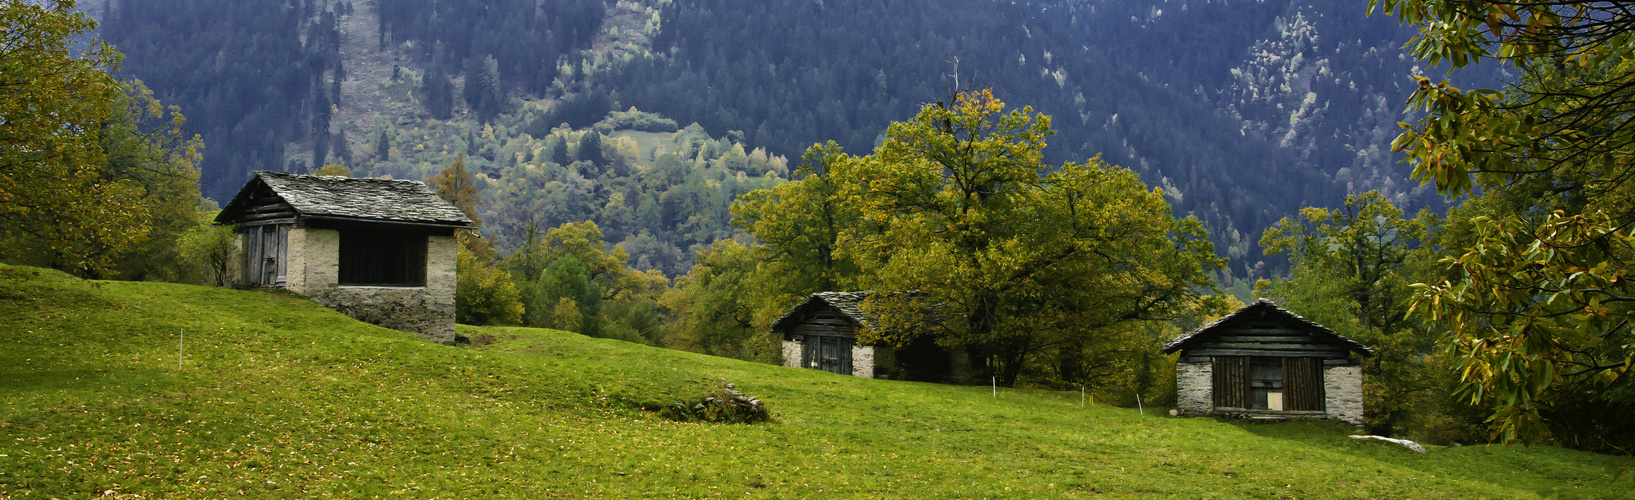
(89, 168)
(978, 243)
(1533, 288)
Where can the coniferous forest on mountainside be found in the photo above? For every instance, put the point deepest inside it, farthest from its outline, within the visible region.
(1241, 111)
(1058, 186)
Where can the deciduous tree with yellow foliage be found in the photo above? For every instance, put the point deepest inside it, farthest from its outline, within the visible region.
(90, 168)
(1537, 290)
(975, 240)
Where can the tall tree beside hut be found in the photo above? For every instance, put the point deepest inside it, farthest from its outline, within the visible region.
(456, 185)
(1352, 267)
(800, 223)
(1003, 254)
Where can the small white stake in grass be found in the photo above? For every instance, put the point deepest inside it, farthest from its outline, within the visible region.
(1138, 405)
(995, 382)
(1081, 396)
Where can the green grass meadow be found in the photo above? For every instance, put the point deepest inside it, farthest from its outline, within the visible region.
(278, 397)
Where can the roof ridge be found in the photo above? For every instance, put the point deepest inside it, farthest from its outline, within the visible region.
(1177, 342)
(281, 173)
(360, 198)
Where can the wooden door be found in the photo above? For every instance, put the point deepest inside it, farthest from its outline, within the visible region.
(1231, 379)
(252, 255)
(283, 254)
(269, 255)
(1303, 384)
(810, 355)
(834, 354)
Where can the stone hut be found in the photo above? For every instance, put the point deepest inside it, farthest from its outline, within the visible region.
(379, 250)
(821, 333)
(1266, 362)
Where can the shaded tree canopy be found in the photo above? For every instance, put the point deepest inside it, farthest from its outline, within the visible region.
(1536, 291)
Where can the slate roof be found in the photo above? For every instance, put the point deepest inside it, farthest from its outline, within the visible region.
(351, 198)
(1208, 330)
(845, 302)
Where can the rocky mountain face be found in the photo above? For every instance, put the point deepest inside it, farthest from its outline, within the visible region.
(1242, 111)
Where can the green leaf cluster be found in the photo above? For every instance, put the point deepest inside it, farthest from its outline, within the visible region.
(1532, 287)
(569, 279)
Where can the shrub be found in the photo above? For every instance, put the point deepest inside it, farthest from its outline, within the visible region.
(724, 404)
(484, 294)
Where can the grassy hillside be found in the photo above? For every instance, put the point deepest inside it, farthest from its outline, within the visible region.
(278, 397)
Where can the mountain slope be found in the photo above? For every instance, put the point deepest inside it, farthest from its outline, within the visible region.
(279, 397)
(1243, 111)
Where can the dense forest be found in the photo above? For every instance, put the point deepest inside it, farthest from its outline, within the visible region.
(252, 75)
(1241, 111)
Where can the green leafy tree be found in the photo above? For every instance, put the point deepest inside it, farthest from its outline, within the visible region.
(558, 147)
(800, 224)
(1352, 267)
(973, 236)
(716, 303)
(83, 172)
(144, 144)
(568, 298)
(569, 279)
(216, 247)
(1536, 296)
(484, 294)
(590, 152)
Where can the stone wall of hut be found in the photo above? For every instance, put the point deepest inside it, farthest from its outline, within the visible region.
(313, 270)
(1194, 388)
(1343, 393)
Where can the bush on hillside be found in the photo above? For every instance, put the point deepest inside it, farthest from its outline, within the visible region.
(641, 121)
(724, 405)
(484, 294)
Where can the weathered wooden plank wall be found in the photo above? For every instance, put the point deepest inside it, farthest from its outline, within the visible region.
(1265, 339)
(1303, 384)
(1231, 381)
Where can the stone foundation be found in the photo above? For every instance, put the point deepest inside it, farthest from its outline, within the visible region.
(313, 270)
(863, 361)
(409, 309)
(1194, 388)
(1343, 394)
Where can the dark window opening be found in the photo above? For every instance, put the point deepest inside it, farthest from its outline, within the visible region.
(1266, 383)
(382, 256)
